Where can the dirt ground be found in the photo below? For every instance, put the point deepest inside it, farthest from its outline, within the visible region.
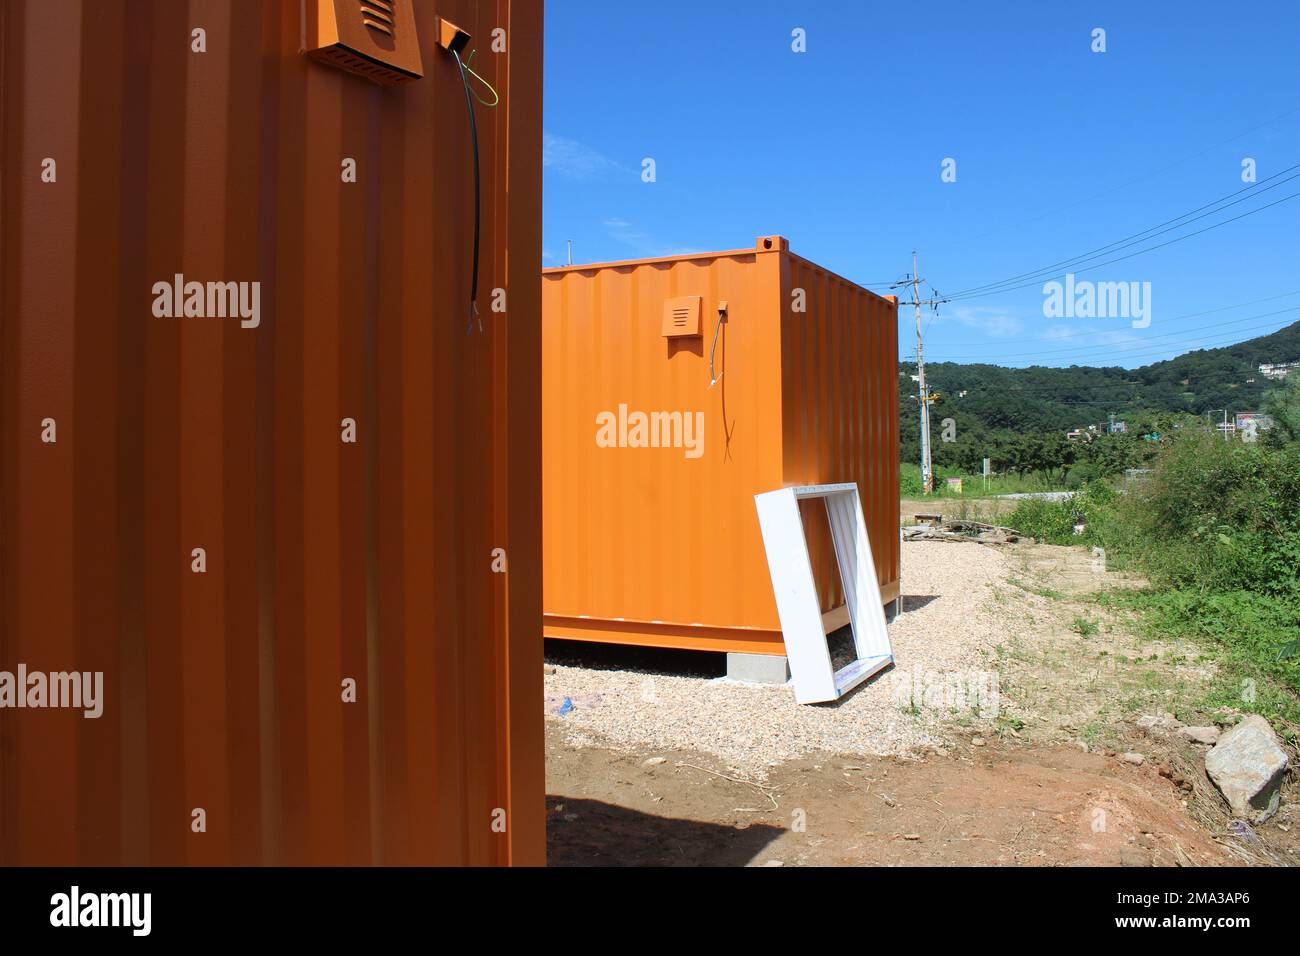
(990, 805)
(1042, 781)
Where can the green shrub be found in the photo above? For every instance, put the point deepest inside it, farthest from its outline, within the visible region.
(1083, 473)
(1050, 521)
(1054, 521)
(1214, 515)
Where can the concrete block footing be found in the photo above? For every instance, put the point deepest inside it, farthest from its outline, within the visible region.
(758, 668)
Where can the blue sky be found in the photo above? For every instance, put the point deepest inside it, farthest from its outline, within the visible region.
(1058, 150)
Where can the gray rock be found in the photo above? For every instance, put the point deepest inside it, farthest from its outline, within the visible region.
(1200, 735)
(1164, 722)
(1135, 759)
(1247, 766)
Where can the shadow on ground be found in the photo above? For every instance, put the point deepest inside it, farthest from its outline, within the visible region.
(629, 657)
(914, 602)
(593, 833)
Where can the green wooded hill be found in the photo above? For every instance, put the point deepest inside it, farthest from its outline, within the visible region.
(1040, 398)
(1019, 416)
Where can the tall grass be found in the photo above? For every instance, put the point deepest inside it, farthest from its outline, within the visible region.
(909, 483)
(1216, 529)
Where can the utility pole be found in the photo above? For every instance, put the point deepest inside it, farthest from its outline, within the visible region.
(923, 396)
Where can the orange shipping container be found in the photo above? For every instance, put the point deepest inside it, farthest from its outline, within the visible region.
(650, 533)
(229, 520)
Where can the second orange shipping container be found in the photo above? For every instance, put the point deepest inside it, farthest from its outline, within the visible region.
(676, 389)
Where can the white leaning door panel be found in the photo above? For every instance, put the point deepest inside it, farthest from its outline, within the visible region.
(796, 595)
(811, 670)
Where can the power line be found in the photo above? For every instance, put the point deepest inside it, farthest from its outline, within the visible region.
(1187, 345)
(1071, 265)
(1222, 203)
(1175, 335)
(1174, 318)
(1252, 188)
(1165, 346)
(1216, 225)
(1203, 343)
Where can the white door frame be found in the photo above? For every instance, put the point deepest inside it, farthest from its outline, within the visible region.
(797, 605)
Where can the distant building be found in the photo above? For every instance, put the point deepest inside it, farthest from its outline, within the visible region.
(1278, 369)
(1119, 428)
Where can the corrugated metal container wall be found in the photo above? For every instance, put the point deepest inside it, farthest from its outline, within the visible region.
(325, 560)
(661, 546)
(651, 543)
(840, 406)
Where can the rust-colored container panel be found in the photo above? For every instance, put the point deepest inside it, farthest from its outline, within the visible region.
(839, 404)
(655, 439)
(274, 532)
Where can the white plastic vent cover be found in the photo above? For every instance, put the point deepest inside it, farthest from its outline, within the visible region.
(796, 593)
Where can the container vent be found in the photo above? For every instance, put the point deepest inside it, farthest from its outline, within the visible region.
(682, 316)
(375, 39)
(378, 15)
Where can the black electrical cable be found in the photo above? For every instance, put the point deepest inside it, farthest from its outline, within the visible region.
(473, 131)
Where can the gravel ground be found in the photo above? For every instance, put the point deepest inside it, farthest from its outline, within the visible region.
(946, 624)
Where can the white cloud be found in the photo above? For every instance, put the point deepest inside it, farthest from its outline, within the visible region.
(993, 322)
(641, 242)
(577, 160)
(1085, 336)
(1060, 333)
